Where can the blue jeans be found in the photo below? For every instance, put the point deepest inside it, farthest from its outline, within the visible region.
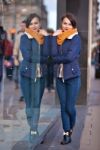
(32, 92)
(16, 74)
(68, 92)
(17, 77)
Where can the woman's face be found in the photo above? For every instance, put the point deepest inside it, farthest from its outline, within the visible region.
(66, 24)
(35, 24)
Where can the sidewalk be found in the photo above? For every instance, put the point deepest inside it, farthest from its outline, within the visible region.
(91, 134)
(14, 130)
(86, 134)
(54, 136)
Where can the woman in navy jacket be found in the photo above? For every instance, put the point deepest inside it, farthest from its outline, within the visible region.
(65, 52)
(33, 46)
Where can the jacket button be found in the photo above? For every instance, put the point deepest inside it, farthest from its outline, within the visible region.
(26, 68)
(72, 69)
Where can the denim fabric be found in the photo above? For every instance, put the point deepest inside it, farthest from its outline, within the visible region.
(33, 53)
(32, 92)
(17, 78)
(16, 74)
(68, 92)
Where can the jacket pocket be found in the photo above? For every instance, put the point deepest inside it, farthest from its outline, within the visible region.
(28, 70)
(75, 69)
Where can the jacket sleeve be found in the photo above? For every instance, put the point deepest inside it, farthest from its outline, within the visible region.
(54, 49)
(25, 47)
(45, 50)
(28, 51)
(71, 54)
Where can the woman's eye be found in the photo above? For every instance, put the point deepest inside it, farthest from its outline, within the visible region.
(67, 24)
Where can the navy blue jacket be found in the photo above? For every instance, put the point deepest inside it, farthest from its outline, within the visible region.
(33, 53)
(67, 54)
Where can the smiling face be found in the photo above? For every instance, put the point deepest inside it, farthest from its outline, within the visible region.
(35, 24)
(66, 24)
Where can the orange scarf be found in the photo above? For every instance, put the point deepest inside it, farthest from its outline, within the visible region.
(65, 35)
(38, 37)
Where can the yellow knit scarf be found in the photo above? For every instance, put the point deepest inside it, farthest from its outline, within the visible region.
(38, 37)
(65, 35)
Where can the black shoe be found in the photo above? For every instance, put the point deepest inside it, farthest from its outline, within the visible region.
(66, 139)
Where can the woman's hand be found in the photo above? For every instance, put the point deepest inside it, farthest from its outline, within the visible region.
(43, 32)
(57, 32)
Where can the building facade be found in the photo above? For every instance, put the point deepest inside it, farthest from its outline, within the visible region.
(12, 12)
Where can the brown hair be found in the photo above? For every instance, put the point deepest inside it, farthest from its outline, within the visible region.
(71, 17)
(30, 17)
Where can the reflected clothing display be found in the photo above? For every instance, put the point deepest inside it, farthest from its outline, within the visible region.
(33, 92)
(34, 56)
(33, 71)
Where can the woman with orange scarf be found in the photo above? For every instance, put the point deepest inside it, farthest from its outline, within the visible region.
(33, 46)
(65, 53)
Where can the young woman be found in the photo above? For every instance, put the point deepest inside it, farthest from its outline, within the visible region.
(33, 46)
(65, 52)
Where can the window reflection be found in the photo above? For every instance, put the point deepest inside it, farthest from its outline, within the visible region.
(13, 120)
